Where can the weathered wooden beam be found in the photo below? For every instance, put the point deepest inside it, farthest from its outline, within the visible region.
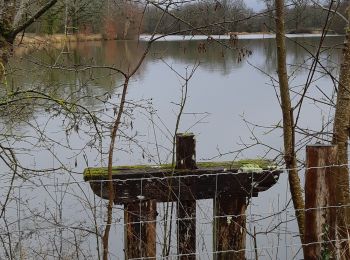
(202, 183)
(229, 227)
(186, 207)
(320, 199)
(140, 229)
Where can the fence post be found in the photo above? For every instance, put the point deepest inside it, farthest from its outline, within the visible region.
(140, 229)
(229, 227)
(320, 199)
(186, 209)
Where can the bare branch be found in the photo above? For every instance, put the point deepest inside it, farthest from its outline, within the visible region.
(331, 10)
(31, 20)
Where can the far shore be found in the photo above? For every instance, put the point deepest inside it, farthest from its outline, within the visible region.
(239, 36)
(35, 39)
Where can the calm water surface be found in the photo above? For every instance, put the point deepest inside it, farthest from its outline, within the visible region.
(231, 106)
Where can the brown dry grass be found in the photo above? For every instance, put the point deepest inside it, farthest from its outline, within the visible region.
(34, 39)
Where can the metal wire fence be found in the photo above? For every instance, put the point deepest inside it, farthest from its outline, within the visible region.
(60, 218)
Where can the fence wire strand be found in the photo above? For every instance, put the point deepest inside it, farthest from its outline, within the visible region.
(272, 222)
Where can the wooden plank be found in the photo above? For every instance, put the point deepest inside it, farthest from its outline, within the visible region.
(229, 227)
(320, 196)
(186, 206)
(140, 229)
(196, 184)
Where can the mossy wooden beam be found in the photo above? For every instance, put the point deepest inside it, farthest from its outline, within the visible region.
(247, 165)
(195, 184)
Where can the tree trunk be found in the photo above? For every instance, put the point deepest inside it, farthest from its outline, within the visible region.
(6, 40)
(288, 122)
(5, 52)
(340, 137)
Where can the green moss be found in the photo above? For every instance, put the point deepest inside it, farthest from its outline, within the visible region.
(103, 171)
(250, 168)
(248, 165)
(186, 134)
(263, 164)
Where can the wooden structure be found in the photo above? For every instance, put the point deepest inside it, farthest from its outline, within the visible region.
(320, 202)
(229, 184)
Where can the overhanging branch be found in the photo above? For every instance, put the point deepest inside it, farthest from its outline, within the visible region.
(37, 15)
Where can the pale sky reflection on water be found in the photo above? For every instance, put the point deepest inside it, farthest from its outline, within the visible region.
(222, 94)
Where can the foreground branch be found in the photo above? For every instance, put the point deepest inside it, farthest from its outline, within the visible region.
(288, 121)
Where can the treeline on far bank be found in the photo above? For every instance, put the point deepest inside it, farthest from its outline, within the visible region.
(126, 19)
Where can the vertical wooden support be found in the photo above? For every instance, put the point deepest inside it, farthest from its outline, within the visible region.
(229, 232)
(185, 151)
(320, 196)
(140, 229)
(186, 159)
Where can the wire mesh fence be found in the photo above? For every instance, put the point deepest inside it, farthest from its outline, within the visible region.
(66, 218)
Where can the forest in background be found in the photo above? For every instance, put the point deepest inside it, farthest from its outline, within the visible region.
(126, 20)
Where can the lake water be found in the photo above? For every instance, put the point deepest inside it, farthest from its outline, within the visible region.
(232, 107)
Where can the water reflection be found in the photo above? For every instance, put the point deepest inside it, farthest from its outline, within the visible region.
(222, 88)
(124, 55)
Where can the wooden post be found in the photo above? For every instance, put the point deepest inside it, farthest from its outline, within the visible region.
(229, 228)
(320, 196)
(186, 159)
(140, 238)
(185, 151)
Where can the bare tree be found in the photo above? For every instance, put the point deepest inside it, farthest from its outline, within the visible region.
(299, 13)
